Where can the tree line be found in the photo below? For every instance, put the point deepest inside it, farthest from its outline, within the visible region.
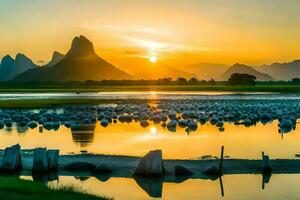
(235, 79)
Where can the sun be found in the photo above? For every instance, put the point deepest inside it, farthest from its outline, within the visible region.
(153, 59)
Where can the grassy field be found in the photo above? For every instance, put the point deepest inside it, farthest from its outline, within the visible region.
(12, 188)
(257, 88)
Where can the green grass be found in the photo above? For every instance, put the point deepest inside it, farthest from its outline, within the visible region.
(44, 103)
(257, 88)
(12, 188)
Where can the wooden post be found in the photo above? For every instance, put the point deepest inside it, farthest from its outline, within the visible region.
(221, 185)
(263, 182)
(41, 129)
(221, 160)
(266, 168)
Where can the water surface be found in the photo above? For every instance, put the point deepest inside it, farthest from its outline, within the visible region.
(132, 139)
(235, 187)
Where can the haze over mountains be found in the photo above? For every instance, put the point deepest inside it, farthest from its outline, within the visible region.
(162, 71)
(282, 71)
(206, 71)
(81, 63)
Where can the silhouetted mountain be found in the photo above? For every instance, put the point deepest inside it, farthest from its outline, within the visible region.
(79, 64)
(10, 68)
(282, 71)
(56, 57)
(244, 69)
(207, 71)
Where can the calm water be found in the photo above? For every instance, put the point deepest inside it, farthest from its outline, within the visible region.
(235, 187)
(132, 139)
(151, 95)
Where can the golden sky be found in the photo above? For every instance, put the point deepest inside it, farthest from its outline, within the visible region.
(130, 33)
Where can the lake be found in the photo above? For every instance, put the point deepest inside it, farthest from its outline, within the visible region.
(235, 187)
(129, 137)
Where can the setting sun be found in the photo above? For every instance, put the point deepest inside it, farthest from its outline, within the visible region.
(153, 59)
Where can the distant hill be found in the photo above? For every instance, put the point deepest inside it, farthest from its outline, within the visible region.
(56, 57)
(207, 71)
(10, 68)
(79, 64)
(244, 69)
(282, 71)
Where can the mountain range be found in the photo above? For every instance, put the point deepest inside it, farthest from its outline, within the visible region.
(245, 69)
(56, 57)
(9, 67)
(282, 71)
(81, 63)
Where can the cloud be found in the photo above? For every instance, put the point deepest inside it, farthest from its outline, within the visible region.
(164, 47)
(130, 29)
(145, 41)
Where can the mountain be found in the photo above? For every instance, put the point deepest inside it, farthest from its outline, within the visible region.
(56, 57)
(282, 71)
(79, 64)
(244, 69)
(10, 67)
(207, 71)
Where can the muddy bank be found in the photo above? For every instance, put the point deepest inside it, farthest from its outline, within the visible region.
(124, 166)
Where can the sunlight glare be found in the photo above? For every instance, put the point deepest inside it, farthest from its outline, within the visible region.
(153, 59)
(153, 130)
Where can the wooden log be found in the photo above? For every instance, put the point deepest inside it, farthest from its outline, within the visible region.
(12, 159)
(40, 160)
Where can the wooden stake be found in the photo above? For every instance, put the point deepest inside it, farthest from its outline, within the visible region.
(221, 185)
(221, 160)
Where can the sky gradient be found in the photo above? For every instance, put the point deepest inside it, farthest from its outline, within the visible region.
(129, 33)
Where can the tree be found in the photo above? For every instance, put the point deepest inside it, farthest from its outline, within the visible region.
(167, 80)
(181, 81)
(193, 80)
(296, 81)
(212, 82)
(241, 79)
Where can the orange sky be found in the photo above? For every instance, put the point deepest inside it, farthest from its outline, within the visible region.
(129, 33)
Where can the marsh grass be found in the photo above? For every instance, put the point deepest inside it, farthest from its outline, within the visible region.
(13, 188)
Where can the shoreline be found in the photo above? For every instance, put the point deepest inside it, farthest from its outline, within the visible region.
(124, 166)
(281, 88)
